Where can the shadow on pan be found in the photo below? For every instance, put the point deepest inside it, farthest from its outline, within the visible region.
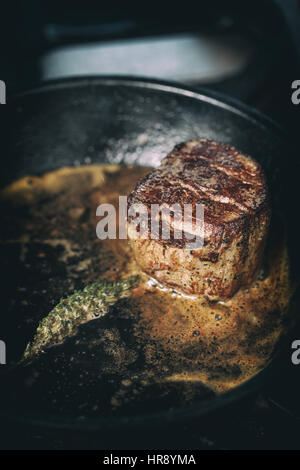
(104, 120)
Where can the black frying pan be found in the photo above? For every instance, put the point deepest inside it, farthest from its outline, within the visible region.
(61, 123)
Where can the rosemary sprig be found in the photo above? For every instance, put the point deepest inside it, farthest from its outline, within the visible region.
(80, 307)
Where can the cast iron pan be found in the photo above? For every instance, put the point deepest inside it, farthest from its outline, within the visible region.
(64, 122)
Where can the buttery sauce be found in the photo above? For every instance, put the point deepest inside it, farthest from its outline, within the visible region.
(51, 221)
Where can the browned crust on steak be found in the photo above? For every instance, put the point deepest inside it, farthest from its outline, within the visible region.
(233, 190)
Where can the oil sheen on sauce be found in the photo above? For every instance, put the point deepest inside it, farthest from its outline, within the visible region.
(185, 340)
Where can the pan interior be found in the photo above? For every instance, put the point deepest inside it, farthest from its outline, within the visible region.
(153, 351)
(91, 123)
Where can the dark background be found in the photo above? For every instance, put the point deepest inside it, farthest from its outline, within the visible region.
(31, 30)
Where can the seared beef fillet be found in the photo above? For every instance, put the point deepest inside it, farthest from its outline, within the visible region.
(233, 190)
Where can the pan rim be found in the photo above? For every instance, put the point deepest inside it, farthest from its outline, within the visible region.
(200, 93)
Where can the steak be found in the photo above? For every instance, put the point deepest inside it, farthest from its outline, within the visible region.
(232, 190)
